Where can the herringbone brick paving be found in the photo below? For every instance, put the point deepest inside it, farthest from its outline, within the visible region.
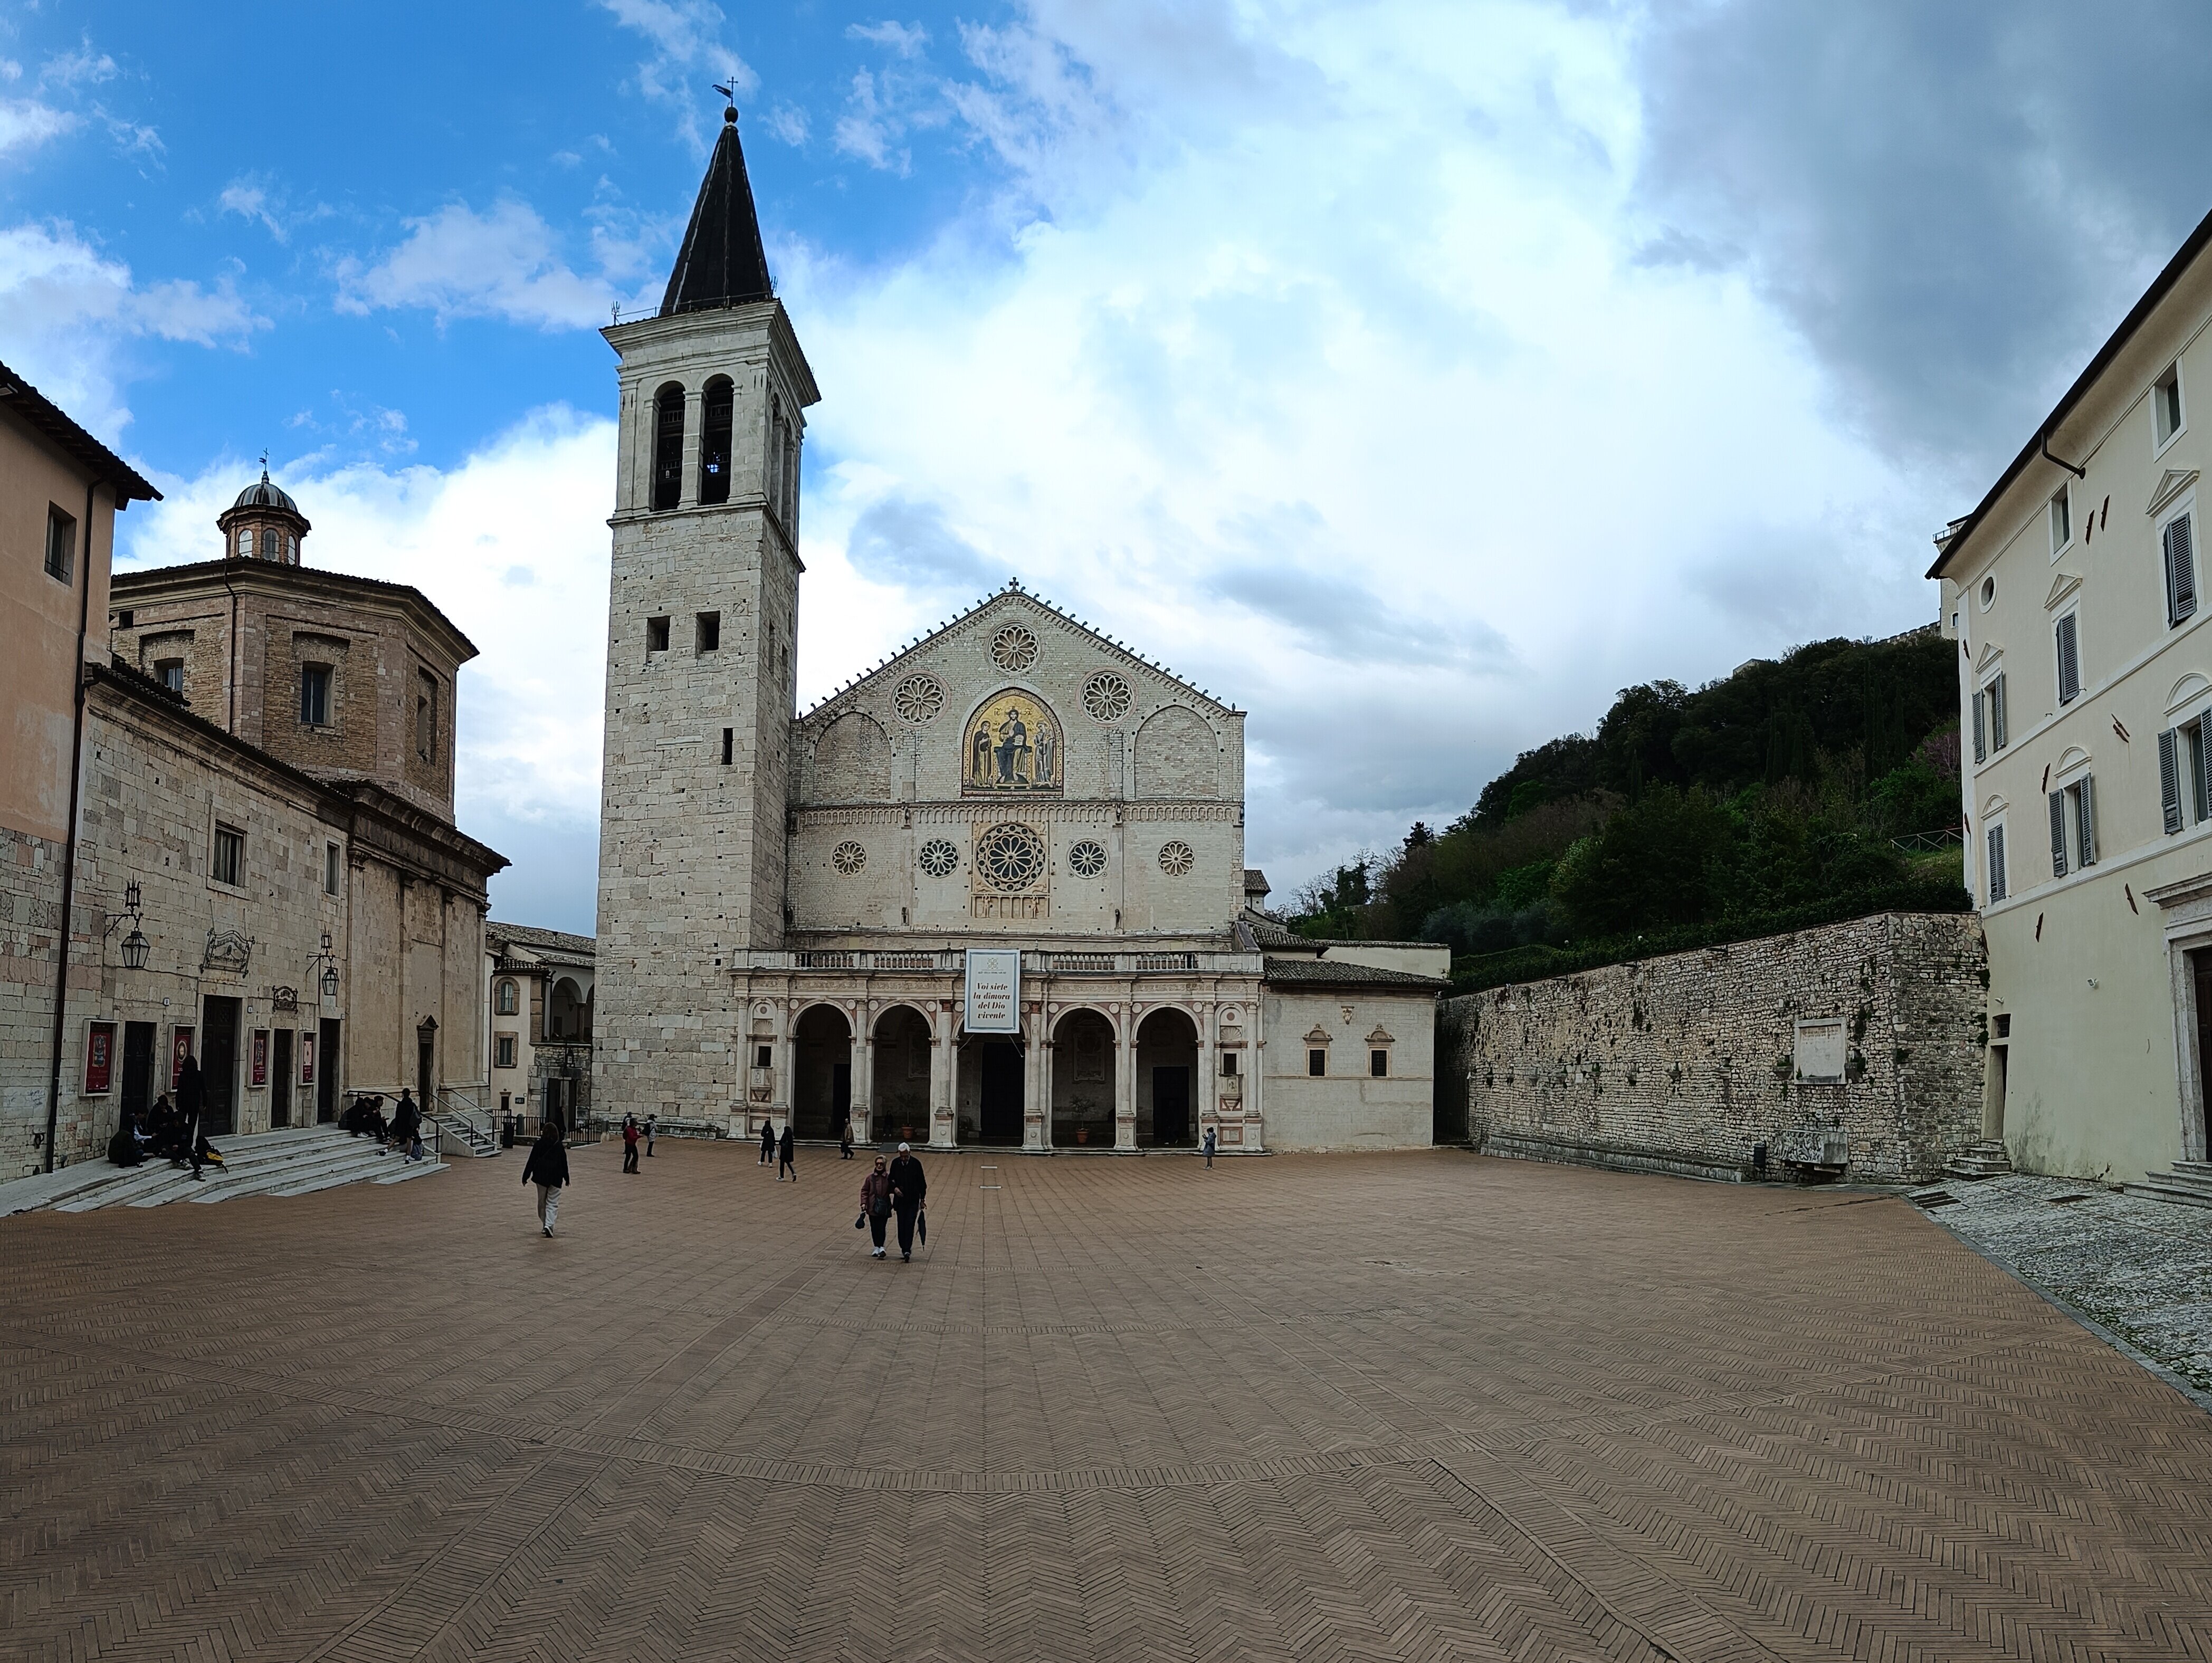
(1410, 1407)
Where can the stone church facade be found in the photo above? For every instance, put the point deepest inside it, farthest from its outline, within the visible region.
(788, 903)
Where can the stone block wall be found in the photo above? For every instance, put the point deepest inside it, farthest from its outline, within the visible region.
(30, 927)
(1684, 1064)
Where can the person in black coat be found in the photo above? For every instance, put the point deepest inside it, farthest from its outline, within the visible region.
(909, 1188)
(768, 1142)
(188, 1110)
(548, 1168)
(790, 1148)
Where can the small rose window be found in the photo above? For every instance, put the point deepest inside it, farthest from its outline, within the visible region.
(939, 858)
(1106, 696)
(849, 858)
(1177, 857)
(918, 698)
(1087, 859)
(1010, 857)
(1014, 647)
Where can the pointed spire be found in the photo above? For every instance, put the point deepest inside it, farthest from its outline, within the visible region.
(722, 263)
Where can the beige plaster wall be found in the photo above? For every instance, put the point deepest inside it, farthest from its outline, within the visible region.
(1348, 1109)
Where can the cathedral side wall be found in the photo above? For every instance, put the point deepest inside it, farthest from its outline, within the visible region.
(1867, 1032)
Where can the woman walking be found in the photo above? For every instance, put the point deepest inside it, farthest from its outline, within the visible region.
(629, 1143)
(876, 1205)
(790, 1148)
(845, 1140)
(768, 1142)
(548, 1168)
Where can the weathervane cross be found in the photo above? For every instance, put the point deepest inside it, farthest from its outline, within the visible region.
(729, 92)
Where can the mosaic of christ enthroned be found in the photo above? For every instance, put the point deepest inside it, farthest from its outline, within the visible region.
(1014, 745)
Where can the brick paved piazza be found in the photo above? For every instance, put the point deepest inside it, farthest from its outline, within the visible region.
(1421, 1406)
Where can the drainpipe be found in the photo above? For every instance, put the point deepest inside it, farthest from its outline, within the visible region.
(69, 848)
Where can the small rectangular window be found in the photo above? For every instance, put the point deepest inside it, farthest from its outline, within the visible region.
(2165, 404)
(1378, 1063)
(710, 632)
(763, 1057)
(504, 1052)
(2062, 522)
(1316, 1061)
(1996, 844)
(426, 716)
(61, 545)
(1229, 1063)
(170, 672)
(123, 619)
(729, 744)
(229, 861)
(656, 634)
(314, 695)
(331, 860)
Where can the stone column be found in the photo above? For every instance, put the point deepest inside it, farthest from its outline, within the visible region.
(1255, 1061)
(781, 1093)
(1037, 1102)
(1125, 1078)
(1209, 1069)
(944, 1076)
(864, 1073)
(695, 415)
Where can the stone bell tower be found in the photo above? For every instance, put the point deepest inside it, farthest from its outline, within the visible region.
(701, 624)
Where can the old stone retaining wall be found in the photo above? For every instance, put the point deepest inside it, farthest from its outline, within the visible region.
(1861, 1042)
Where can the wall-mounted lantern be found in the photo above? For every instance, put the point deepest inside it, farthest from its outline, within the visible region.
(328, 964)
(134, 945)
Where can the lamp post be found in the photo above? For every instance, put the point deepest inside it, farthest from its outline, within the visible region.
(326, 961)
(134, 945)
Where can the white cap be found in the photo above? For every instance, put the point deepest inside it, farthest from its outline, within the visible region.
(906, 1148)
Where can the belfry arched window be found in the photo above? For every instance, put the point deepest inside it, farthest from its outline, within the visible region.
(668, 447)
(714, 440)
(273, 543)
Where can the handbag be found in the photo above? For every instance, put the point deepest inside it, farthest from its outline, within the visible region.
(861, 1223)
(880, 1207)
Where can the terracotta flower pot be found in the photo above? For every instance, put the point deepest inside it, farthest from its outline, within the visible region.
(1082, 1134)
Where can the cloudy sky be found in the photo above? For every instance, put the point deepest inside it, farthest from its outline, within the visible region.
(1413, 374)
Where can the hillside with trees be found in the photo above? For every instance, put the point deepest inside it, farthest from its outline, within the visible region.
(1821, 785)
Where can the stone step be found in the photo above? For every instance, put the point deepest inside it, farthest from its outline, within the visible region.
(282, 1178)
(2161, 1191)
(297, 1161)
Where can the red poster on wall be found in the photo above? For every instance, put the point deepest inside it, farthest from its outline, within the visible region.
(99, 1057)
(306, 1060)
(261, 1056)
(180, 1047)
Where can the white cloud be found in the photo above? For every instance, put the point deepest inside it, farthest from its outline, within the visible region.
(68, 316)
(688, 55)
(457, 263)
(25, 123)
(1325, 370)
(906, 39)
(249, 199)
(87, 66)
(511, 544)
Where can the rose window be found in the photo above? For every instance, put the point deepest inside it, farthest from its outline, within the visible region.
(1010, 857)
(918, 698)
(849, 858)
(1087, 859)
(1177, 859)
(1106, 696)
(939, 858)
(1013, 647)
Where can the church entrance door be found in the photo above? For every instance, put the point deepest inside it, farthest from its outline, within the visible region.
(822, 1082)
(1000, 1110)
(1167, 1068)
(1171, 1105)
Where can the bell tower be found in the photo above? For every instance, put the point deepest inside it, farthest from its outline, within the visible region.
(701, 619)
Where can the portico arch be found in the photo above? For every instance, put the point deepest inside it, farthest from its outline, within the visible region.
(987, 1106)
(1167, 1081)
(898, 1096)
(821, 1071)
(1083, 1070)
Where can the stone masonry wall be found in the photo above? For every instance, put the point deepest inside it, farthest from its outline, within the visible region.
(1685, 1063)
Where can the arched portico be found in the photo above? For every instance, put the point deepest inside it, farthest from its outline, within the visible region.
(898, 1092)
(821, 1071)
(1168, 1083)
(988, 1102)
(1084, 1045)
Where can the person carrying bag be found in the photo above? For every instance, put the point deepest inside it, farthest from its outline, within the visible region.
(875, 1206)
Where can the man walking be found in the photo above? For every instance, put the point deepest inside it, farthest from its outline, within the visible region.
(790, 1148)
(845, 1139)
(629, 1143)
(188, 1110)
(548, 1168)
(650, 1121)
(909, 1190)
(1209, 1146)
(768, 1142)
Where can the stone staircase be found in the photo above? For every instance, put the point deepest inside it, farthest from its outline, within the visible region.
(290, 1163)
(2187, 1182)
(1986, 1159)
(458, 1133)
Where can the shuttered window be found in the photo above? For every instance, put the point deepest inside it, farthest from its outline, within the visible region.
(1997, 714)
(2058, 834)
(2176, 542)
(1996, 864)
(1981, 748)
(2169, 779)
(2085, 820)
(2069, 658)
(2073, 815)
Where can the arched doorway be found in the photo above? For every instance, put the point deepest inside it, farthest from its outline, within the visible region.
(1082, 1081)
(1167, 1081)
(898, 1096)
(821, 1077)
(988, 1108)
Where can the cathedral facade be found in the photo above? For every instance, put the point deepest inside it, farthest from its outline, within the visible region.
(992, 893)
